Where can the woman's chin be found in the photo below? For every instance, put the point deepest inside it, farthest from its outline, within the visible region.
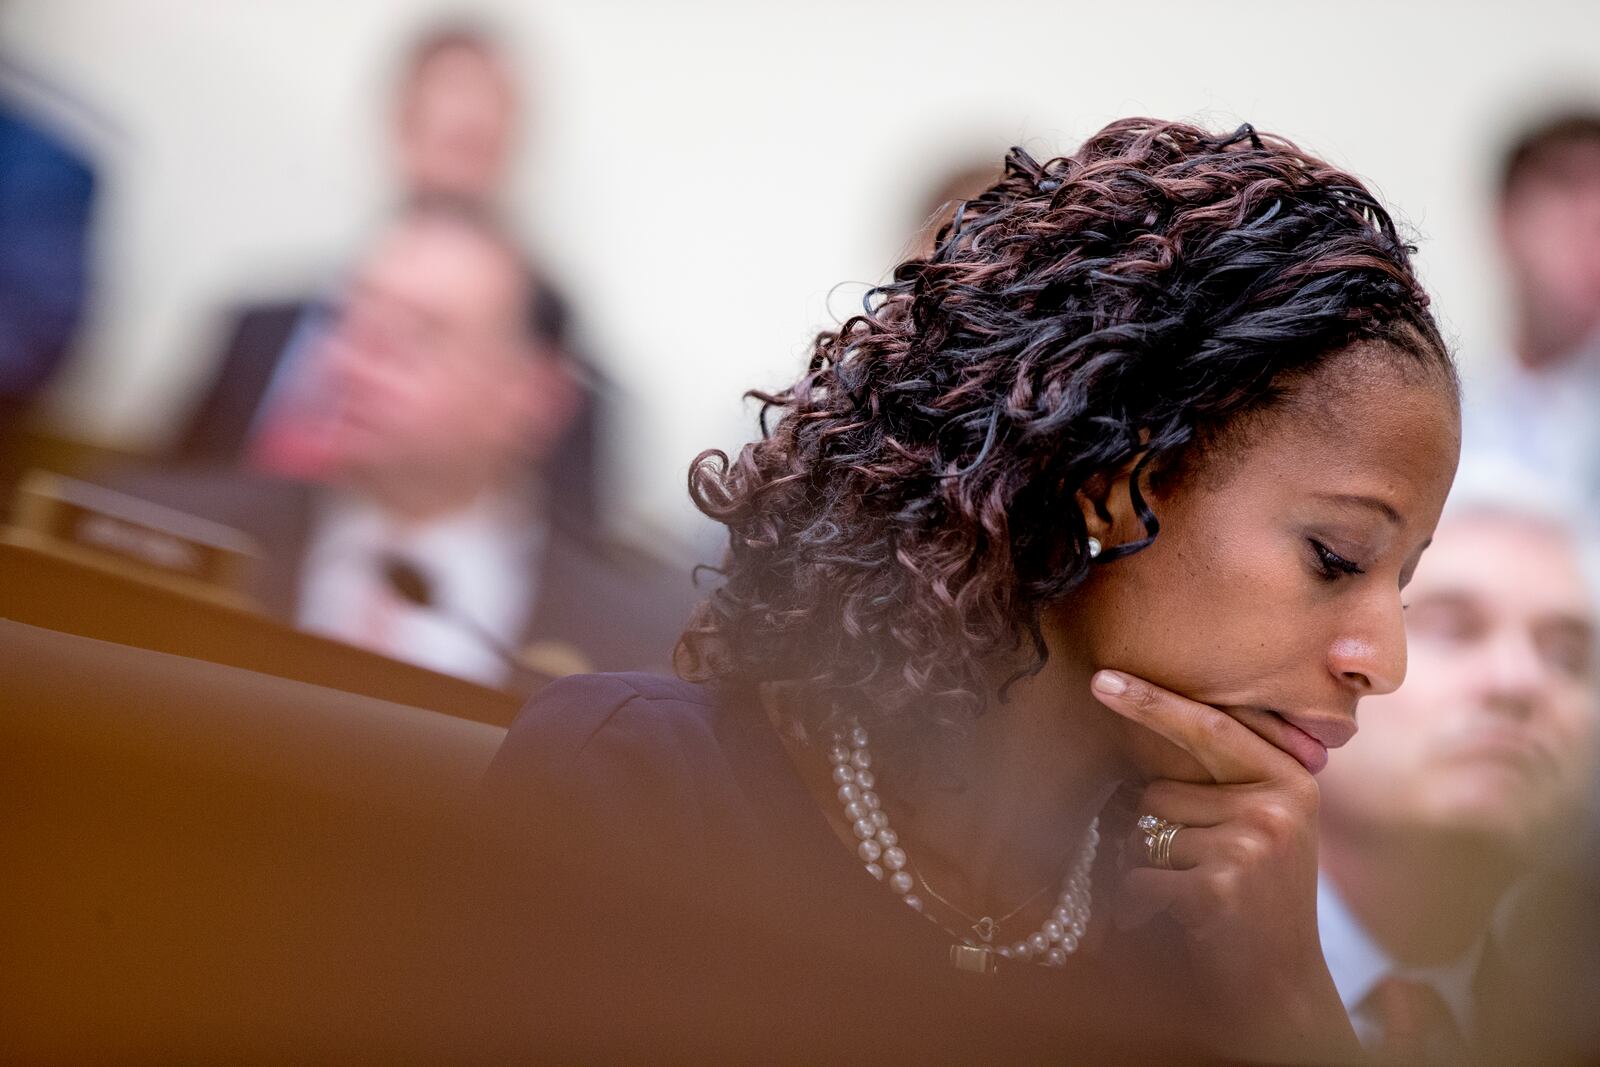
(1153, 757)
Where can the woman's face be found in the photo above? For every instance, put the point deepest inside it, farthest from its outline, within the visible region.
(1273, 590)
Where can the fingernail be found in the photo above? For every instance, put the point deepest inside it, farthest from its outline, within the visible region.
(1111, 683)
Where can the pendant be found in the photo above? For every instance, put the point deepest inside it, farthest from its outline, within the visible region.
(985, 928)
(972, 959)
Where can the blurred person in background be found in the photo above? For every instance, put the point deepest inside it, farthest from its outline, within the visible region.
(47, 194)
(1543, 406)
(440, 408)
(1469, 780)
(456, 119)
(1549, 224)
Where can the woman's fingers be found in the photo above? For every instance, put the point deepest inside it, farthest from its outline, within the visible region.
(1256, 817)
(1197, 804)
(1240, 873)
(1209, 894)
(1189, 847)
(1229, 751)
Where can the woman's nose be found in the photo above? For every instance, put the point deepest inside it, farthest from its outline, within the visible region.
(1369, 654)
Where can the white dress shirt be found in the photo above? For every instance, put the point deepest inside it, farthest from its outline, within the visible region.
(481, 564)
(1358, 964)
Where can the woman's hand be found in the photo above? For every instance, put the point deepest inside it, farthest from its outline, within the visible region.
(1243, 882)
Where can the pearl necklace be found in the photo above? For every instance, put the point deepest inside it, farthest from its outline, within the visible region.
(879, 848)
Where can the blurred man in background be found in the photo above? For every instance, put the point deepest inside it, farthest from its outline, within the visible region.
(456, 117)
(1473, 776)
(1549, 223)
(429, 537)
(1543, 408)
(455, 123)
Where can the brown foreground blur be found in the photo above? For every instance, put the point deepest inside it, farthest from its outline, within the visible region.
(205, 863)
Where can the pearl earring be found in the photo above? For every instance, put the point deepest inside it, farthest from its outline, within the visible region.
(1094, 547)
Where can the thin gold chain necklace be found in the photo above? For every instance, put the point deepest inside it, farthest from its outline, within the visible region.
(986, 927)
(878, 847)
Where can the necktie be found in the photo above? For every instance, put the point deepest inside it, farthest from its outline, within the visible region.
(381, 611)
(1414, 1024)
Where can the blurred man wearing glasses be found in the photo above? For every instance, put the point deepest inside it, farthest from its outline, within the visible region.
(432, 412)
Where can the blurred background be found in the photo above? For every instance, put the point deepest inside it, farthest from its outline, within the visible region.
(352, 357)
(710, 183)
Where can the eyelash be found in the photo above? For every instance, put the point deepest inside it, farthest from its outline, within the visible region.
(1333, 565)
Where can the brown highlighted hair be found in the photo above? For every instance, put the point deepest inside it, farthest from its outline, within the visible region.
(909, 510)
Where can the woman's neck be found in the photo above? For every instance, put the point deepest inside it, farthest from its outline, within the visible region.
(992, 816)
(1001, 811)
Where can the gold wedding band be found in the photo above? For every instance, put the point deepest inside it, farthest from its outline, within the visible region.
(1158, 835)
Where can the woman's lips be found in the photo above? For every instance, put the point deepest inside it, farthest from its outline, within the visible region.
(1311, 753)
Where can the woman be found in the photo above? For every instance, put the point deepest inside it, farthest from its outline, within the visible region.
(1059, 573)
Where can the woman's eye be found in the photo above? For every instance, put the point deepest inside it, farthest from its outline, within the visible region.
(1330, 564)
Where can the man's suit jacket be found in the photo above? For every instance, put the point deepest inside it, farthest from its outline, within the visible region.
(1536, 988)
(219, 426)
(597, 606)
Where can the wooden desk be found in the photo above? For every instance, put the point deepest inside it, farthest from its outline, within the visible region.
(45, 590)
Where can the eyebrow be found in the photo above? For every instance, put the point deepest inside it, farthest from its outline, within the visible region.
(1382, 507)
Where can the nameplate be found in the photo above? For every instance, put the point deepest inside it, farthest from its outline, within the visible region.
(99, 526)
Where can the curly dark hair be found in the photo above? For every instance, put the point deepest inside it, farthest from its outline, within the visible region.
(896, 534)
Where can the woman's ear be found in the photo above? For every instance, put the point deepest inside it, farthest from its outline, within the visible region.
(1106, 501)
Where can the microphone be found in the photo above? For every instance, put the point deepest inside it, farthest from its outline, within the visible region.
(407, 581)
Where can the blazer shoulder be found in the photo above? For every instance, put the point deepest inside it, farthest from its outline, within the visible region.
(573, 717)
(270, 321)
(632, 756)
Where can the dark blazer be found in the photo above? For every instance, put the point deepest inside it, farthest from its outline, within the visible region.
(218, 428)
(1536, 987)
(690, 888)
(618, 609)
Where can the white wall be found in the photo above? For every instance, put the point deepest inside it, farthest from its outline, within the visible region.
(703, 173)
